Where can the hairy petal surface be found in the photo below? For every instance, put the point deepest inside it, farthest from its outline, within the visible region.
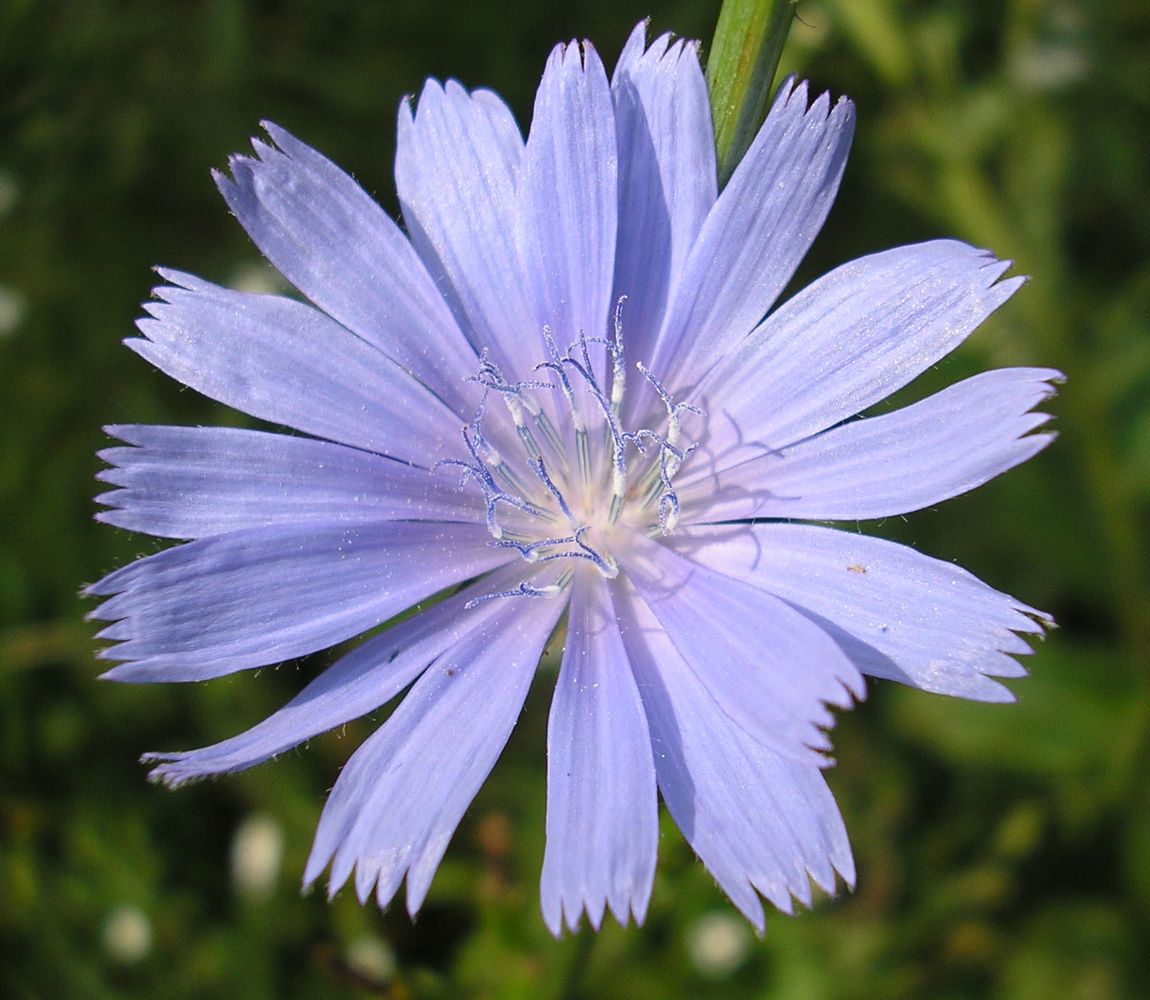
(457, 172)
(568, 197)
(602, 810)
(402, 794)
(667, 175)
(925, 453)
(330, 239)
(262, 595)
(896, 613)
(849, 340)
(768, 667)
(191, 482)
(757, 232)
(760, 822)
(286, 362)
(357, 683)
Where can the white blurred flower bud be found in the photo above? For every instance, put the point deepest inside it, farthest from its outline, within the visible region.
(257, 850)
(128, 934)
(718, 944)
(12, 309)
(371, 958)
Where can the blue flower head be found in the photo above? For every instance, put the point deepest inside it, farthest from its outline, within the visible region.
(555, 399)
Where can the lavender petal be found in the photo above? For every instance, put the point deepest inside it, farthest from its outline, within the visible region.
(667, 176)
(760, 822)
(330, 239)
(849, 340)
(262, 595)
(772, 670)
(191, 482)
(759, 229)
(288, 363)
(925, 453)
(357, 683)
(566, 225)
(401, 795)
(457, 171)
(602, 818)
(896, 613)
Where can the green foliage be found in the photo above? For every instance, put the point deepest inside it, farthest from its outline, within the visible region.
(1004, 851)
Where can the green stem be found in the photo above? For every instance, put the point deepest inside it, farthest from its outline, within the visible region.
(572, 987)
(740, 70)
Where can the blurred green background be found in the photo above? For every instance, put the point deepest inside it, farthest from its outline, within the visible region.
(1004, 851)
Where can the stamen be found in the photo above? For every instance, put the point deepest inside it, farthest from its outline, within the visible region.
(610, 416)
(619, 371)
(517, 401)
(524, 590)
(668, 510)
(492, 494)
(547, 454)
(673, 409)
(541, 472)
(530, 550)
(607, 566)
(584, 369)
(556, 365)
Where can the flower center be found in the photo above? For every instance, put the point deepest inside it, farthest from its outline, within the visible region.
(574, 474)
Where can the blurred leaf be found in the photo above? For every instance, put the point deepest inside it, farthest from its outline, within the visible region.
(1069, 715)
(1075, 950)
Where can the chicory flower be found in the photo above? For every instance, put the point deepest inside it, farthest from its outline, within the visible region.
(555, 399)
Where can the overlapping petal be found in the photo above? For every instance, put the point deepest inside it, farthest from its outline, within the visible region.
(602, 819)
(925, 453)
(357, 683)
(262, 595)
(757, 232)
(760, 822)
(192, 482)
(849, 340)
(667, 176)
(896, 613)
(330, 239)
(402, 794)
(457, 172)
(568, 196)
(288, 363)
(770, 669)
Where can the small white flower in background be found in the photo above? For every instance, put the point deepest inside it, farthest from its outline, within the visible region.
(371, 958)
(128, 935)
(718, 944)
(257, 851)
(12, 309)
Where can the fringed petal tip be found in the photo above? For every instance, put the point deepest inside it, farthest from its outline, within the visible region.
(819, 751)
(175, 282)
(115, 675)
(747, 893)
(793, 95)
(311, 877)
(126, 433)
(401, 795)
(582, 50)
(565, 918)
(171, 769)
